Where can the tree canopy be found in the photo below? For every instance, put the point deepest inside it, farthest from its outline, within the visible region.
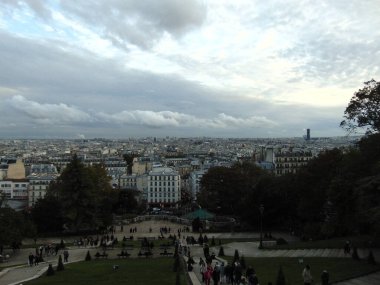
(363, 111)
(86, 196)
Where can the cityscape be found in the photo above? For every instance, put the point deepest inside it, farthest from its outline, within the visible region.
(29, 166)
(189, 142)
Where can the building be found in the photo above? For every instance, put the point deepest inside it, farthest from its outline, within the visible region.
(195, 182)
(163, 187)
(38, 186)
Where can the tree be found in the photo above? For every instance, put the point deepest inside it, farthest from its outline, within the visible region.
(50, 270)
(12, 227)
(363, 111)
(83, 192)
(47, 215)
(60, 266)
(280, 277)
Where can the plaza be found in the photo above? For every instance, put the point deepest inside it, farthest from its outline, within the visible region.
(17, 270)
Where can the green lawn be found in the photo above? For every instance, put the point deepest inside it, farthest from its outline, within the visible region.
(338, 268)
(152, 271)
(361, 241)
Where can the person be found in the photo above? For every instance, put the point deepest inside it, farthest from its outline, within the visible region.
(347, 247)
(208, 274)
(66, 256)
(306, 275)
(203, 268)
(216, 274)
(252, 277)
(31, 259)
(325, 277)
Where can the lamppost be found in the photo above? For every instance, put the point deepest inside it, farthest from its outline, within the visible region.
(261, 209)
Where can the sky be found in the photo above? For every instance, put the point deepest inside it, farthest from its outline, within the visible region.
(185, 68)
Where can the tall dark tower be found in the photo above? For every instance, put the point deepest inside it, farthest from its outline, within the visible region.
(308, 134)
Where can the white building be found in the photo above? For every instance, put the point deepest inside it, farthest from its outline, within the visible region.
(163, 187)
(38, 186)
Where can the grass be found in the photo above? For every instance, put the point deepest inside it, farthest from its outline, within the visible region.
(153, 271)
(338, 268)
(360, 242)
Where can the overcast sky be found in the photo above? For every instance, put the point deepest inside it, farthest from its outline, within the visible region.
(128, 68)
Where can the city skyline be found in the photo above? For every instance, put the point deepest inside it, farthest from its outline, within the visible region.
(119, 69)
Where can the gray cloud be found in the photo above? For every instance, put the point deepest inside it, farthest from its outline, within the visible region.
(63, 114)
(140, 23)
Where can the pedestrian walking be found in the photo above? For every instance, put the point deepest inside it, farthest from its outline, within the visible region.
(306, 275)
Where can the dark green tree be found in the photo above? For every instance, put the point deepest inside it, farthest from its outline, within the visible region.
(82, 192)
(88, 256)
(50, 270)
(221, 251)
(363, 111)
(236, 255)
(47, 215)
(60, 266)
(12, 227)
(280, 277)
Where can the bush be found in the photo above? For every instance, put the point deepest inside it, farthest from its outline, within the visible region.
(281, 241)
(60, 266)
(371, 258)
(236, 255)
(355, 254)
(280, 277)
(221, 251)
(176, 267)
(88, 256)
(242, 262)
(50, 270)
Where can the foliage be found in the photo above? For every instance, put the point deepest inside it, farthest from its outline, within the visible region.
(13, 227)
(60, 266)
(50, 270)
(221, 251)
(236, 255)
(363, 111)
(85, 195)
(88, 256)
(47, 215)
(280, 277)
(371, 258)
(222, 188)
(355, 254)
(242, 262)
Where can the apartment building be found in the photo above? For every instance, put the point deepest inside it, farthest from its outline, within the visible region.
(163, 187)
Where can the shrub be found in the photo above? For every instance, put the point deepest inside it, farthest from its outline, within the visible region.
(50, 270)
(221, 251)
(88, 256)
(281, 241)
(60, 266)
(236, 255)
(280, 277)
(371, 258)
(242, 262)
(355, 254)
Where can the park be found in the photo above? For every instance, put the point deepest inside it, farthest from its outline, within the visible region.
(157, 268)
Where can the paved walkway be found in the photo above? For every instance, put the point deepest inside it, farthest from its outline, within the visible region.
(22, 272)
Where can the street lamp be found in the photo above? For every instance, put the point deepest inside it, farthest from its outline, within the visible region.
(261, 209)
